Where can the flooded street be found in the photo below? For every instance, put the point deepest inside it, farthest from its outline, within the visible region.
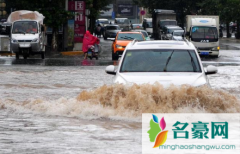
(67, 105)
(38, 113)
(42, 111)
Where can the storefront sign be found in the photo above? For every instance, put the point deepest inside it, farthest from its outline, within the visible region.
(78, 7)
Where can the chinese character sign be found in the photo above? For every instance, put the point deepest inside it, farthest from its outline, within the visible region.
(78, 7)
(79, 18)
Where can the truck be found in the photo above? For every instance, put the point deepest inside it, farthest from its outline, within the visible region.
(27, 33)
(203, 32)
(161, 18)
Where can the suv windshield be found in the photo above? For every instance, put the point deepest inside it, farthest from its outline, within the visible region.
(25, 27)
(204, 33)
(160, 61)
(113, 28)
(130, 36)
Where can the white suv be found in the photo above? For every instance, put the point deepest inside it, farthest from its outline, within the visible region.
(166, 62)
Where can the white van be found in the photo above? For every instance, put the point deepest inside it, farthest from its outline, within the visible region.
(27, 33)
(103, 22)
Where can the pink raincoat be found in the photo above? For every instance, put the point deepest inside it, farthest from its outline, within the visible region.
(89, 39)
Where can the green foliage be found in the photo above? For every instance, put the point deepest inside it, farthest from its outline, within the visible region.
(53, 10)
(95, 6)
(227, 9)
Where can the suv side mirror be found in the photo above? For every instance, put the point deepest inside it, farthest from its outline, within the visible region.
(211, 70)
(110, 70)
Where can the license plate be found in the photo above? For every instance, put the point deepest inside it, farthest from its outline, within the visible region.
(204, 53)
(89, 53)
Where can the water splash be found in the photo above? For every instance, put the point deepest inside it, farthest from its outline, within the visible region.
(129, 102)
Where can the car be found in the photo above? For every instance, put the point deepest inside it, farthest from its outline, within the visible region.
(121, 41)
(102, 22)
(137, 26)
(145, 34)
(167, 62)
(167, 31)
(178, 35)
(111, 31)
(124, 23)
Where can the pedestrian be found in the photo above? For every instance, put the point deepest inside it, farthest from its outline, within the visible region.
(99, 30)
(88, 40)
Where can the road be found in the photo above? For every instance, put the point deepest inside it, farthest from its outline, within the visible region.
(229, 55)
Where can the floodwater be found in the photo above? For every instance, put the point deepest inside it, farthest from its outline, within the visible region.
(78, 110)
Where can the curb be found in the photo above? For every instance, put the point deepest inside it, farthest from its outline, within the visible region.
(72, 53)
(7, 54)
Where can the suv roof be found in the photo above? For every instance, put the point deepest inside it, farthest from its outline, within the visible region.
(161, 45)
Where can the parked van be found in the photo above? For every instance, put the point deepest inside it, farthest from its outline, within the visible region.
(147, 25)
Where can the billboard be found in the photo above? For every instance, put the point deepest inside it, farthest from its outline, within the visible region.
(107, 13)
(124, 9)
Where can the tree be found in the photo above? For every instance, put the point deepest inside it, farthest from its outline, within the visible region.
(95, 6)
(53, 10)
(181, 7)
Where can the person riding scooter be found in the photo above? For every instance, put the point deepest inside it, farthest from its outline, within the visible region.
(88, 39)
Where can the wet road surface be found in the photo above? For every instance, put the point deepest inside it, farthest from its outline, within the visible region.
(40, 109)
(229, 55)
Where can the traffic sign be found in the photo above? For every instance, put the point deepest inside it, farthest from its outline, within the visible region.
(142, 12)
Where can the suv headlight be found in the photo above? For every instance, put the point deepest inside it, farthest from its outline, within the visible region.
(35, 40)
(14, 41)
(216, 48)
(119, 46)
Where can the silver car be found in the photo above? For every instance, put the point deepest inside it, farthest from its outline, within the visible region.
(111, 31)
(168, 30)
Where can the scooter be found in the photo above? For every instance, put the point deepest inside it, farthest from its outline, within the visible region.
(92, 52)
